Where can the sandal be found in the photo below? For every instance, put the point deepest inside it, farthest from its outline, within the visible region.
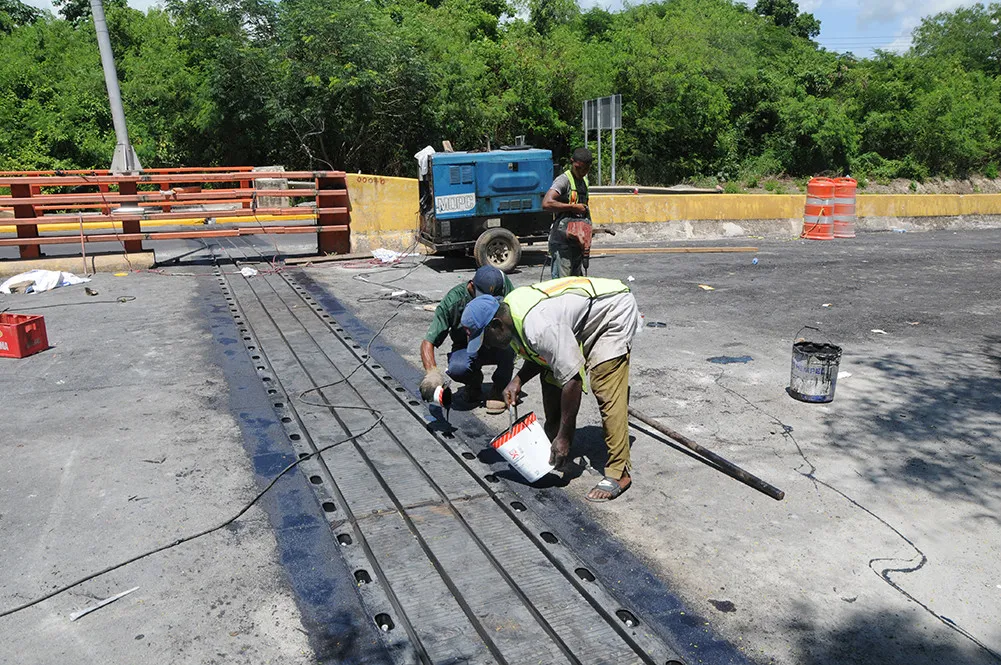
(610, 485)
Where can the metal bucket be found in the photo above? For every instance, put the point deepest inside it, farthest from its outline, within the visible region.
(814, 373)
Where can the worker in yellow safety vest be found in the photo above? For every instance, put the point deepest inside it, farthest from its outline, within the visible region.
(568, 330)
(567, 199)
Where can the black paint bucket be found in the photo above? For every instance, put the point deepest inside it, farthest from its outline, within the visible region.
(814, 373)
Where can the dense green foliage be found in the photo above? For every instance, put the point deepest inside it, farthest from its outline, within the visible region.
(709, 87)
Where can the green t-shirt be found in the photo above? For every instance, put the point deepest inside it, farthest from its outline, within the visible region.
(447, 319)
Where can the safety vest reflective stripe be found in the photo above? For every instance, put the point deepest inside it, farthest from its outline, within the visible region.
(573, 185)
(522, 300)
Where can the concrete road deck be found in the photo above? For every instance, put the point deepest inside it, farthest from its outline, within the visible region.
(885, 549)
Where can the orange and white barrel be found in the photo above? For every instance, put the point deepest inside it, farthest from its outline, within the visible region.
(844, 207)
(818, 215)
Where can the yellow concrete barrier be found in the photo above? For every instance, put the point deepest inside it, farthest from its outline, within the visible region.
(384, 212)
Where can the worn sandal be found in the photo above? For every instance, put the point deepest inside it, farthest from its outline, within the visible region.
(610, 485)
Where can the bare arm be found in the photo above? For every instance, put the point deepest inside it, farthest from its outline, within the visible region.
(550, 204)
(569, 407)
(427, 355)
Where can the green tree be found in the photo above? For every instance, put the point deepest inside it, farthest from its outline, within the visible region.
(786, 14)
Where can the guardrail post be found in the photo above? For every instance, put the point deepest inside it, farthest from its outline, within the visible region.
(130, 188)
(165, 187)
(21, 212)
(332, 209)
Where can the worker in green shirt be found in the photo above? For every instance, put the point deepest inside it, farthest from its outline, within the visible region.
(464, 367)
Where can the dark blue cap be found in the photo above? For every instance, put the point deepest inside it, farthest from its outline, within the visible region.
(476, 317)
(488, 281)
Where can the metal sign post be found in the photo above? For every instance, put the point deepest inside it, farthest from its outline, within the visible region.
(599, 114)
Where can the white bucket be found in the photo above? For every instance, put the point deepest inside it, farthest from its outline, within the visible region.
(526, 447)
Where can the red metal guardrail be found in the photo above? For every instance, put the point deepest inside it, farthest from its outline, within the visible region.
(165, 195)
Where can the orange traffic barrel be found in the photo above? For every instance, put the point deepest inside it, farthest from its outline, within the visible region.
(844, 207)
(818, 215)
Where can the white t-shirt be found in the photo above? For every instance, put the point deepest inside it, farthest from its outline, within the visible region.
(549, 330)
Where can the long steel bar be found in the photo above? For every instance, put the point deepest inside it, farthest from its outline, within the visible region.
(719, 463)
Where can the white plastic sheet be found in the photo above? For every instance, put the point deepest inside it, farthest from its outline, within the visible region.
(42, 280)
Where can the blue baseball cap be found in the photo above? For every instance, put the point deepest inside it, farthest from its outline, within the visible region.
(488, 281)
(476, 317)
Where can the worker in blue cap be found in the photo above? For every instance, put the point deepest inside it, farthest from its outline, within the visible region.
(464, 366)
(576, 332)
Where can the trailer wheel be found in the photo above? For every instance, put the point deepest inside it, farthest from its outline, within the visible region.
(499, 248)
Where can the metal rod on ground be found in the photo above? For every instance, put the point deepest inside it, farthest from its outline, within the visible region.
(724, 465)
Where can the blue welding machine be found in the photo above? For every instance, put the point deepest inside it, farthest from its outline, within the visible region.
(487, 202)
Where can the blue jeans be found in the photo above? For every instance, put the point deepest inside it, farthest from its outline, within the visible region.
(469, 371)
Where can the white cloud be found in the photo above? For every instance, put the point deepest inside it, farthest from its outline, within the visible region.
(890, 10)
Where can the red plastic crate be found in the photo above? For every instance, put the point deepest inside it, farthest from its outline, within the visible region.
(22, 335)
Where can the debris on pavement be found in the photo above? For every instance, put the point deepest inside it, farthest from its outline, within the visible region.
(97, 606)
(387, 255)
(706, 287)
(36, 281)
(844, 375)
(90, 292)
(879, 332)
(247, 271)
(730, 360)
(826, 304)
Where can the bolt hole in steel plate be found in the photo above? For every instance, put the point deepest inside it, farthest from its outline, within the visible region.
(316, 480)
(286, 419)
(674, 662)
(549, 537)
(344, 539)
(329, 506)
(399, 389)
(376, 367)
(469, 455)
(585, 574)
(362, 577)
(413, 403)
(491, 478)
(279, 405)
(384, 622)
(272, 392)
(627, 618)
(518, 506)
(303, 455)
(294, 437)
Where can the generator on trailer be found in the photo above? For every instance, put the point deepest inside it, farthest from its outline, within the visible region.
(487, 202)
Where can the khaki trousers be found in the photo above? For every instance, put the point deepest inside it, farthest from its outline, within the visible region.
(610, 385)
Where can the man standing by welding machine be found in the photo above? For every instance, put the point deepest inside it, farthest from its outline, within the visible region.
(567, 199)
(568, 330)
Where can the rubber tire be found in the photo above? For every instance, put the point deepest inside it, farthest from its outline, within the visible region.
(499, 248)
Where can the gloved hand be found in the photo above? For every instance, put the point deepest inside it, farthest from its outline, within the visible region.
(433, 378)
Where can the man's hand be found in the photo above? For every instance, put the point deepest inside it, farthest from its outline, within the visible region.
(560, 451)
(579, 209)
(511, 391)
(433, 378)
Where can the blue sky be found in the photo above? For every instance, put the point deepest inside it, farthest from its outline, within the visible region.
(845, 25)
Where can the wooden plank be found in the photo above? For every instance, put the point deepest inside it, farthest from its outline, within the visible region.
(301, 260)
(669, 250)
(173, 178)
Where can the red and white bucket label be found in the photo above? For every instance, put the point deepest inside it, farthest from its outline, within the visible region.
(526, 447)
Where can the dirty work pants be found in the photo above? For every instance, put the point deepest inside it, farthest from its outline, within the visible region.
(610, 385)
(567, 260)
(469, 371)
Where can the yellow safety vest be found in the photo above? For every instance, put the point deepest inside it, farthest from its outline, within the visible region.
(573, 186)
(522, 300)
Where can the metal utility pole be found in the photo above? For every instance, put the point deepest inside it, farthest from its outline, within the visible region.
(125, 159)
